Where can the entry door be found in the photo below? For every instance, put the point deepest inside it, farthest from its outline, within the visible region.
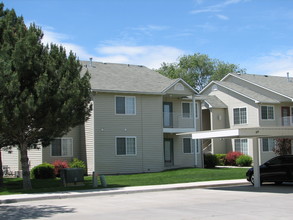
(168, 152)
(286, 116)
(167, 114)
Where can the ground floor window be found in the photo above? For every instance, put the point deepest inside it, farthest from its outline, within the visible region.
(188, 145)
(268, 144)
(241, 145)
(62, 147)
(126, 145)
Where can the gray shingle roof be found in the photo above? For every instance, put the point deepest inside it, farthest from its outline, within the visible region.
(277, 84)
(214, 101)
(247, 92)
(125, 78)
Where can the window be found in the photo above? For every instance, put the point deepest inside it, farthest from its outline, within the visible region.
(268, 144)
(241, 145)
(125, 105)
(188, 145)
(126, 145)
(187, 110)
(240, 115)
(267, 112)
(62, 147)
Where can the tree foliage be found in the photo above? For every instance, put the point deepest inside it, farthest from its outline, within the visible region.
(43, 94)
(282, 146)
(198, 69)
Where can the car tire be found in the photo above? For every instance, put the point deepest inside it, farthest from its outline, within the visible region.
(252, 180)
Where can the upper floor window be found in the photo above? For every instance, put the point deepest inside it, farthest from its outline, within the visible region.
(187, 110)
(240, 115)
(62, 147)
(268, 144)
(125, 105)
(267, 112)
(240, 145)
(126, 145)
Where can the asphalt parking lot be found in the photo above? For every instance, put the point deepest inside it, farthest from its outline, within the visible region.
(233, 202)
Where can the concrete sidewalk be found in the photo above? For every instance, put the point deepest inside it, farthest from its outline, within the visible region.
(124, 190)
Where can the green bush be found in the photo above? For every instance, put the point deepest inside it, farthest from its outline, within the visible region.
(210, 160)
(221, 159)
(76, 163)
(43, 171)
(244, 160)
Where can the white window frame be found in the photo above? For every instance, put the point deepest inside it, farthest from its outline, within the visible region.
(190, 110)
(126, 154)
(270, 148)
(291, 107)
(267, 119)
(192, 144)
(125, 101)
(241, 139)
(246, 116)
(62, 148)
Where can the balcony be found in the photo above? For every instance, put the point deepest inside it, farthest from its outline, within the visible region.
(176, 123)
(287, 121)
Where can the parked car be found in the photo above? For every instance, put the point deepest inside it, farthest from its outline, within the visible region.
(278, 169)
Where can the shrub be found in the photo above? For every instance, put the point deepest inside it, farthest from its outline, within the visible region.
(76, 163)
(210, 160)
(231, 158)
(43, 171)
(58, 165)
(244, 160)
(221, 159)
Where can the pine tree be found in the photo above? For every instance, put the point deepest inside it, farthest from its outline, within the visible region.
(42, 91)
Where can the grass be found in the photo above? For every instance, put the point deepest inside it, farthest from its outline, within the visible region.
(14, 185)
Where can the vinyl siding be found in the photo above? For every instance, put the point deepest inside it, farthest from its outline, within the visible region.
(89, 139)
(146, 126)
(12, 160)
(74, 133)
(35, 157)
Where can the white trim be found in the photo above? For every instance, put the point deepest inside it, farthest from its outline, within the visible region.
(240, 139)
(125, 155)
(177, 81)
(62, 138)
(115, 98)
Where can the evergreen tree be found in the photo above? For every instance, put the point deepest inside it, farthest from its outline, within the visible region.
(42, 91)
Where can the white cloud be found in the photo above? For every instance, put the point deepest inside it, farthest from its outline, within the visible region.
(149, 56)
(222, 17)
(216, 7)
(276, 63)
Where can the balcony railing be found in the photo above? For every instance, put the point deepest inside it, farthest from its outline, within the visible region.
(287, 121)
(176, 120)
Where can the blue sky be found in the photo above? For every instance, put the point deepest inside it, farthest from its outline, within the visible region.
(256, 34)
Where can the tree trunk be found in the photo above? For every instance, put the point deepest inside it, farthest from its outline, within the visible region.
(1, 171)
(25, 167)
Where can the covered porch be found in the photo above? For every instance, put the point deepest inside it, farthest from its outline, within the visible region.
(254, 133)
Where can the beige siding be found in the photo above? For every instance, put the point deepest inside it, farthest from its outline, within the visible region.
(145, 125)
(90, 143)
(11, 159)
(75, 135)
(35, 157)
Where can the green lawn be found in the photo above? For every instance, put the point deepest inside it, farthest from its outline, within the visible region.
(14, 185)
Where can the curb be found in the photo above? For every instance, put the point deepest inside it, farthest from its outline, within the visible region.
(116, 191)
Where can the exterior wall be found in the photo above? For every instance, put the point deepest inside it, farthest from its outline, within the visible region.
(89, 142)
(35, 157)
(11, 159)
(145, 125)
(75, 135)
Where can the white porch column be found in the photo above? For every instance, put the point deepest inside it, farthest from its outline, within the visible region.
(256, 162)
(194, 126)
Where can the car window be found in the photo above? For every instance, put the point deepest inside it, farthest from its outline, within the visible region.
(275, 161)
